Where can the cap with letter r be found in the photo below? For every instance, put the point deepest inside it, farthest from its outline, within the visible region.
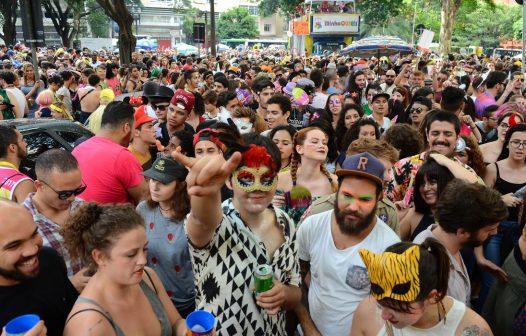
(363, 165)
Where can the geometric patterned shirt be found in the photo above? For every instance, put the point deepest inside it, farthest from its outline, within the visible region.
(50, 233)
(224, 269)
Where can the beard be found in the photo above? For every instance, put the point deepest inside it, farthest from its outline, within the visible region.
(389, 82)
(16, 275)
(472, 242)
(20, 153)
(351, 227)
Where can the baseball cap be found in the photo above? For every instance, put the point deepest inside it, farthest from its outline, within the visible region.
(381, 94)
(183, 100)
(365, 165)
(166, 170)
(141, 117)
(107, 95)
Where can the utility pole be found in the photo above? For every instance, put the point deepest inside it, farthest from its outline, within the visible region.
(212, 28)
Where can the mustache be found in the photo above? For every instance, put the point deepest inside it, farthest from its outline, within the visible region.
(441, 143)
(23, 260)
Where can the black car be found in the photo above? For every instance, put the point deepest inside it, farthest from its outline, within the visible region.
(44, 134)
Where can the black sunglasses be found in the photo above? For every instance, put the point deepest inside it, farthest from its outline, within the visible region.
(416, 110)
(65, 194)
(160, 107)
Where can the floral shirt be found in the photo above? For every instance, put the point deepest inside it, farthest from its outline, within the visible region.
(224, 270)
(400, 186)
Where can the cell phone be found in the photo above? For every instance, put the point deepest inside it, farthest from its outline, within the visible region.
(520, 193)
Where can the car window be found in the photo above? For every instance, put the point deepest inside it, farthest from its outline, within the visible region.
(37, 143)
(70, 137)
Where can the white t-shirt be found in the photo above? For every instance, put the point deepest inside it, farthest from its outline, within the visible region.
(319, 100)
(339, 280)
(19, 96)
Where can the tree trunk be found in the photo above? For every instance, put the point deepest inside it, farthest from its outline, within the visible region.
(448, 12)
(116, 9)
(8, 9)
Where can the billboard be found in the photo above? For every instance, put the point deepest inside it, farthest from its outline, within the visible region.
(335, 23)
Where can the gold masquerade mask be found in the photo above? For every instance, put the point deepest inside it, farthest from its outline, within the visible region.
(392, 275)
(251, 179)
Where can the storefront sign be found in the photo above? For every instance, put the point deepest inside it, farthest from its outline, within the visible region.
(335, 23)
(301, 28)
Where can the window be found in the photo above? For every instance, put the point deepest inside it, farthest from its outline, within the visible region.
(267, 27)
(253, 10)
(70, 137)
(37, 143)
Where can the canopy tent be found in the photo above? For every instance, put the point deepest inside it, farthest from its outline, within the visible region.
(185, 49)
(378, 46)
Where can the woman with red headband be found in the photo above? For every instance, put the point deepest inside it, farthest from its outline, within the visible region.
(492, 151)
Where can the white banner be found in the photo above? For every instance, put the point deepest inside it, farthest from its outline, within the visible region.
(426, 39)
(335, 23)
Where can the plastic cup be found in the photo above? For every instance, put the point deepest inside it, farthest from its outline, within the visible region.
(200, 323)
(21, 324)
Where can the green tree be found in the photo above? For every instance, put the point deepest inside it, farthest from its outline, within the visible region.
(118, 12)
(8, 18)
(97, 20)
(448, 14)
(60, 13)
(237, 23)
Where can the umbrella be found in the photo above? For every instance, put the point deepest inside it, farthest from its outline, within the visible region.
(147, 44)
(378, 46)
(185, 49)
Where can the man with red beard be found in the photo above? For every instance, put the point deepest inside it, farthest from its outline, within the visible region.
(33, 278)
(329, 244)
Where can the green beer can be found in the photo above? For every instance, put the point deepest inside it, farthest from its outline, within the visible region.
(263, 278)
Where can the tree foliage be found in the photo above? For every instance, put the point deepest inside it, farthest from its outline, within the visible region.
(118, 12)
(97, 20)
(60, 13)
(237, 23)
(8, 19)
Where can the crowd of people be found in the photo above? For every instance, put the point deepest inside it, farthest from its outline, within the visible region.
(386, 195)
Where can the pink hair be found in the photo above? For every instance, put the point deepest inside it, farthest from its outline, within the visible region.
(510, 107)
(44, 98)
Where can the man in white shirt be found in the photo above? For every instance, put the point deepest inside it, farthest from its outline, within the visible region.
(329, 243)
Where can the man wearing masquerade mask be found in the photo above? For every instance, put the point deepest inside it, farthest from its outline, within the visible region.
(408, 295)
(237, 236)
(329, 244)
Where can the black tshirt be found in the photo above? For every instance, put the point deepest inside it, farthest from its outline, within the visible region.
(50, 295)
(165, 137)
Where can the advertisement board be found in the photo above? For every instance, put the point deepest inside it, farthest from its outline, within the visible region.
(335, 23)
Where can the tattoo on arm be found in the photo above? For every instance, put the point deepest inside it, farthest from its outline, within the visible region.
(474, 330)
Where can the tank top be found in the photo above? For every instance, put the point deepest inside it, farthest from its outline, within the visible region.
(155, 302)
(10, 177)
(424, 223)
(448, 327)
(505, 187)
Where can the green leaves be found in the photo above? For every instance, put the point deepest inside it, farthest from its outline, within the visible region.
(237, 23)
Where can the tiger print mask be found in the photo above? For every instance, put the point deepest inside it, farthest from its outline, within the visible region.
(394, 275)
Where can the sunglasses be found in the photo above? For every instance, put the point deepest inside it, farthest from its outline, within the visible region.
(390, 76)
(65, 194)
(416, 110)
(159, 107)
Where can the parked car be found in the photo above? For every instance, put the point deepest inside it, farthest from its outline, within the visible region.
(44, 134)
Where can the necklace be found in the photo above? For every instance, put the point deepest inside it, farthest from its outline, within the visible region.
(165, 210)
